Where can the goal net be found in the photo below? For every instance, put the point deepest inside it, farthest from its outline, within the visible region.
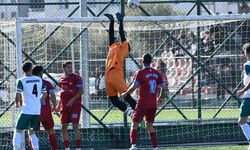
(199, 56)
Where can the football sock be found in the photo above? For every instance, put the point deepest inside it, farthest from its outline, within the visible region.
(246, 130)
(131, 101)
(133, 146)
(78, 143)
(153, 139)
(129, 112)
(117, 103)
(16, 140)
(30, 144)
(52, 140)
(66, 143)
(119, 16)
(34, 141)
(110, 17)
(133, 136)
(111, 29)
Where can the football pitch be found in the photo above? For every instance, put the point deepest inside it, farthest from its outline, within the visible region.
(116, 116)
(232, 147)
(243, 147)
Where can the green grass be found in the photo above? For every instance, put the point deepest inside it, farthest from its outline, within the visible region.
(171, 114)
(244, 147)
(232, 147)
(167, 114)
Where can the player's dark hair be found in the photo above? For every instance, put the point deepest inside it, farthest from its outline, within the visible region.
(147, 59)
(66, 63)
(247, 48)
(27, 66)
(37, 70)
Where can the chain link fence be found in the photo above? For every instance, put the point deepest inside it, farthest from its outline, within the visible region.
(215, 48)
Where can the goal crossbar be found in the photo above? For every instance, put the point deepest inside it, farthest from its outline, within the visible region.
(135, 19)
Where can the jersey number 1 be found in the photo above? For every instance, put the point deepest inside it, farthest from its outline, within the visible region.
(34, 91)
(152, 84)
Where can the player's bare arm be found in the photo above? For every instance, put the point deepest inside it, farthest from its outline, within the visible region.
(53, 98)
(43, 96)
(78, 94)
(18, 99)
(162, 93)
(243, 90)
(130, 90)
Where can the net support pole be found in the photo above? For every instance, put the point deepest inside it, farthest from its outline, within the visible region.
(125, 119)
(84, 64)
(72, 51)
(19, 61)
(199, 115)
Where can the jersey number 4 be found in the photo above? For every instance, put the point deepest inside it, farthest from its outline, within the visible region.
(34, 91)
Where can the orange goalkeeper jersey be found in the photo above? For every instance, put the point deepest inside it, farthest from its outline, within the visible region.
(116, 55)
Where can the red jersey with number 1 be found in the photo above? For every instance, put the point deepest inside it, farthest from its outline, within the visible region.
(69, 88)
(148, 80)
(45, 105)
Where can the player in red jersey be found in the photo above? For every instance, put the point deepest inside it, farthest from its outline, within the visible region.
(46, 118)
(70, 102)
(148, 80)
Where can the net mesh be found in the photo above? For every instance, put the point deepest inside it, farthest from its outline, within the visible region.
(192, 105)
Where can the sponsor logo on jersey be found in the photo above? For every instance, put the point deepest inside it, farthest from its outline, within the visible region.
(32, 81)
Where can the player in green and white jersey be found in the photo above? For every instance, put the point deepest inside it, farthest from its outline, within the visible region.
(29, 93)
(245, 95)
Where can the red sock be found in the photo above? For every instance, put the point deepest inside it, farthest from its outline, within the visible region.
(78, 143)
(66, 143)
(52, 140)
(133, 136)
(153, 139)
(31, 147)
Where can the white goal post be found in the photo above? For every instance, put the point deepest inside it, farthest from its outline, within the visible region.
(89, 20)
(134, 19)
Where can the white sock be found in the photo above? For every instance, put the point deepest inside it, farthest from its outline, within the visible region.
(34, 141)
(22, 146)
(16, 140)
(129, 112)
(246, 130)
(133, 146)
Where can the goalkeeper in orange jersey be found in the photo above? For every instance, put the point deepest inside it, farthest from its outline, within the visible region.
(114, 81)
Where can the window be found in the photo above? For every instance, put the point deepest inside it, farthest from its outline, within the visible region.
(13, 1)
(39, 5)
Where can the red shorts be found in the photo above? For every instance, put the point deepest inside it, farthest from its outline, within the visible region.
(46, 120)
(140, 112)
(70, 115)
